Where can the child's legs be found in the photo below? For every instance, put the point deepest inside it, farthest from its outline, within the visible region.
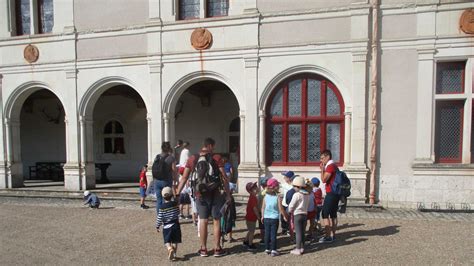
(267, 226)
(187, 209)
(284, 224)
(273, 233)
(300, 226)
(250, 232)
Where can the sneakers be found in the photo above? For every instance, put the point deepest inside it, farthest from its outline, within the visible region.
(251, 247)
(203, 252)
(326, 239)
(268, 251)
(296, 251)
(143, 206)
(274, 253)
(342, 208)
(219, 252)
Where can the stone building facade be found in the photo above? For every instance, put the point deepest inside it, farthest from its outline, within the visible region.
(106, 81)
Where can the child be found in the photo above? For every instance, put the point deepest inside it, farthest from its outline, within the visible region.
(143, 187)
(286, 186)
(252, 215)
(291, 224)
(185, 202)
(299, 208)
(168, 216)
(311, 211)
(271, 209)
(318, 200)
(91, 199)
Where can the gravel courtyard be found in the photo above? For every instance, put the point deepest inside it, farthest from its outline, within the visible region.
(43, 232)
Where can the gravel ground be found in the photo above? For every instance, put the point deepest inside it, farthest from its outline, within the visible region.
(63, 232)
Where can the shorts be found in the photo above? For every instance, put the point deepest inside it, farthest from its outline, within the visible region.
(142, 192)
(330, 206)
(210, 205)
(172, 234)
(251, 226)
(184, 198)
(311, 215)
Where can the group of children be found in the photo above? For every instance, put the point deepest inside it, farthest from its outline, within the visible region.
(299, 202)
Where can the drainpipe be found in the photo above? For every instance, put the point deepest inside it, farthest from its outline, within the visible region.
(374, 91)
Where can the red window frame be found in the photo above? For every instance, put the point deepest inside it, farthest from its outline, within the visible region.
(323, 120)
(439, 104)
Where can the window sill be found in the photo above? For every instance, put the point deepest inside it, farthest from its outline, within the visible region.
(429, 169)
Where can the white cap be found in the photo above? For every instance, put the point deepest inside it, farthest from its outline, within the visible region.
(87, 193)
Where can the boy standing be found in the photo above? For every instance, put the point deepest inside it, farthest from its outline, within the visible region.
(252, 215)
(143, 187)
(168, 216)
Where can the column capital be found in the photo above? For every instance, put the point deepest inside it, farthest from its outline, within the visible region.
(71, 73)
(251, 61)
(155, 67)
(148, 117)
(261, 114)
(426, 53)
(359, 56)
(166, 116)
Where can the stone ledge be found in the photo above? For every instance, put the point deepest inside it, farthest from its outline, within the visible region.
(427, 169)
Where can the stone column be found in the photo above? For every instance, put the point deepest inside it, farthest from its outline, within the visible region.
(166, 129)
(155, 116)
(14, 167)
(261, 139)
(249, 169)
(347, 137)
(87, 171)
(3, 158)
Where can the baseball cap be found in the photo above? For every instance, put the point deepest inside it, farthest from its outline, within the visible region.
(166, 191)
(272, 183)
(250, 186)
(263, 181)
(289, 174)
(87, 193)
(315, 181)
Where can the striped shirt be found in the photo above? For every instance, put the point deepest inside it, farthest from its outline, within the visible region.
(167, 215)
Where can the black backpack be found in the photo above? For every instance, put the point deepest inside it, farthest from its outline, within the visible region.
(206, 176)
(160, 169)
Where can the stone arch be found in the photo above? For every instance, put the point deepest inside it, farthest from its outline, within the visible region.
(304, 69)
(180, 86)
(16, 100)
(89, 99)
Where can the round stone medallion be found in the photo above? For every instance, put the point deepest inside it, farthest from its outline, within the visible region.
(466, 23)
(31, 53)
(201, 39)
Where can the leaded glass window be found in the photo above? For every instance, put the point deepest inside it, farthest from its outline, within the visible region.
(217, 8)
(188, 9)
(305, 116)
(449, 117)
(46, 15)
(23, 17)
(114, 138)
(450, 77)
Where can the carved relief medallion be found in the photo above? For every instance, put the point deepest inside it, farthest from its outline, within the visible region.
(201, 39)
(466, 23)
(31, 53)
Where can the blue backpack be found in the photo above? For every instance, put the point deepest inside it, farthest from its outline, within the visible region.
(341, 185)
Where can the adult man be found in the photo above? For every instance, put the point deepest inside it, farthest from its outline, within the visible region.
(330, 205)
(168, 174)
(209, 203)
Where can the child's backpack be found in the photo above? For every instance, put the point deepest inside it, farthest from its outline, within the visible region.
(205, 177)
(160, 169)
(341, 185)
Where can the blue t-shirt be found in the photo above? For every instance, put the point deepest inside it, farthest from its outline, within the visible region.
(227, 167)
(271, 207)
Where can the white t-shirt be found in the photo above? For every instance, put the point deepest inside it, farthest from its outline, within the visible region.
(183, 157)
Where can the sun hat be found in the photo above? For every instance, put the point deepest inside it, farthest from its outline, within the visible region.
(272, 183)
(166, 191)
(87, 193)
(250, 186)
(298, 181)
(263, 181)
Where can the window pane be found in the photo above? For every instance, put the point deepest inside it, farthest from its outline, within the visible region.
(107, 145)
(118, 145)
(217, 8)
(46, 15)
(314, 142)
(294, 143)
(449, 77)
(23, 17)
(314, 97)
(188, 9)
(294, 98)
(277, 104)
(277, 143)
(118, 128)
(108, 128)
(333, 107)
(333, 140)
(449, 131)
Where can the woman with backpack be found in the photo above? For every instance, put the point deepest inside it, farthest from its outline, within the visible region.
(164, 171)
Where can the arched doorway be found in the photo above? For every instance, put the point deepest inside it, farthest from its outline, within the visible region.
(205, 109)
(304, 116)
(119, 135)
